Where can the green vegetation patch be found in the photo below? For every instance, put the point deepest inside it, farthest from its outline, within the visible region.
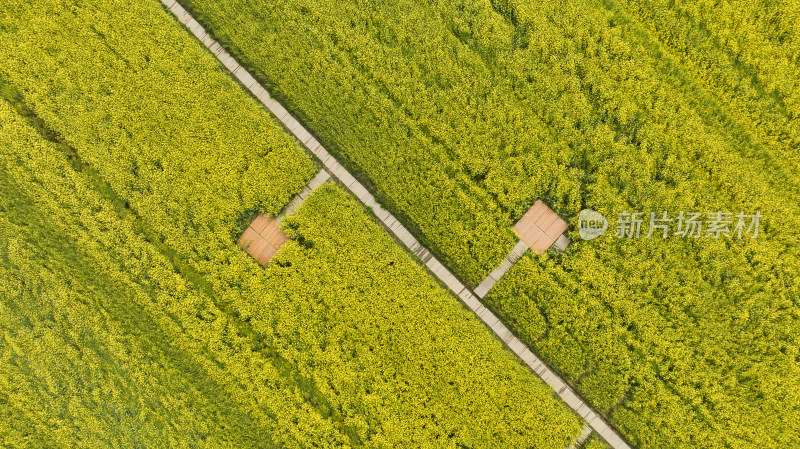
(462, 113)
(343, 341)
(129, 316)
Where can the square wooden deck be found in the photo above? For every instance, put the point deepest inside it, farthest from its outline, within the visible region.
(540, 227)
(262, 239)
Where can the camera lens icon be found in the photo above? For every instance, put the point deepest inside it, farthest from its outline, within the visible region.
(591, 224)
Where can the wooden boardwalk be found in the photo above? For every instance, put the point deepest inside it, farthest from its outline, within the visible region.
(594, 420)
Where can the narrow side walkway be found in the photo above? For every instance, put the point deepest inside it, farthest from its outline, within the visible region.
(487, 284)
(317, 181)
(440, 271)
(585, 432)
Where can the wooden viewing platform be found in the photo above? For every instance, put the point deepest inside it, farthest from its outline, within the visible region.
(262, 239)
(540, 228)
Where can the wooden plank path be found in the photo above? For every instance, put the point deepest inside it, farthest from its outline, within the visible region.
(441, 272)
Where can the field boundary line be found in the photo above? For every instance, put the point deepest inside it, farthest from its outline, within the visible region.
(593, 420)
